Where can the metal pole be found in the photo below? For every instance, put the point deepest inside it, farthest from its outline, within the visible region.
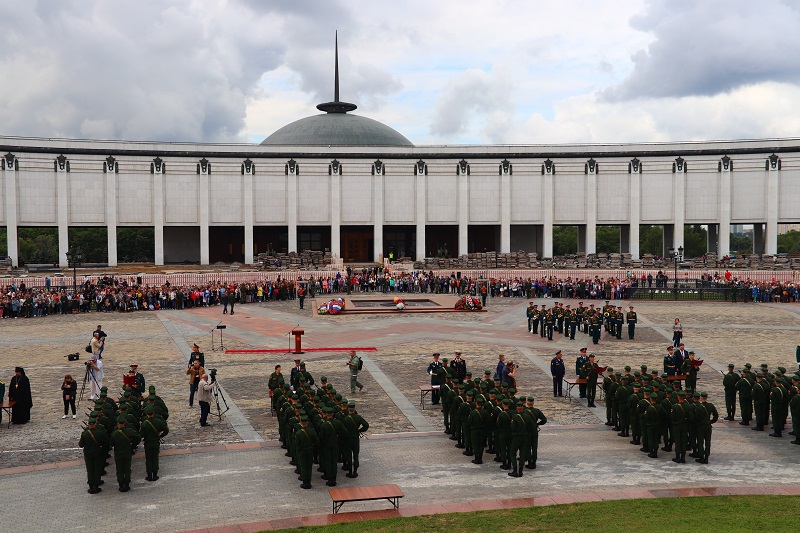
(74, 276)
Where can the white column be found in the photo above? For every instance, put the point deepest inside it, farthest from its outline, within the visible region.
(62, 216)
(291, 209)
(679, 207)
(771, 237)
(505, 212)
(377, 215)
(203, 191)
(421, 215)
(724, 236)
(463, 213)
(111, 215)
(158, 215)
(12, 239)
(547, 245)
(635, 202)
(247, 202)
(591, 210)
(336, 214)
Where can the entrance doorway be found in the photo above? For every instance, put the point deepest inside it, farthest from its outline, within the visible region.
(357, 244)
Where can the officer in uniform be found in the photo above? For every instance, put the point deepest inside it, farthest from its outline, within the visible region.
(591, 375)
(579, 364)
(690, 371)
(478, 422)
(533, 419)
(153, 430)
(530, 312)
(433, 371)
(778, 397)
(631, 319)
(794, 407)
(652, 420)
(679, 418)
(94, 441)
(745, 389)
(557, 370)
(503, 425)
(670, 366)
(124, 439)
(307, 440)
(729, 382)
(519, 441)
(328, 447)
(705, 414)
(761, 392)
(355, 425)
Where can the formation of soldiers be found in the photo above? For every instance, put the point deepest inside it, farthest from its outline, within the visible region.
(654, 410)
(317, 427)
(486, 416)
(764, 395)
(121, 425)
(562, 319)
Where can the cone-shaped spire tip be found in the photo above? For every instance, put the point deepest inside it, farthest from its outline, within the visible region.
(336, 106)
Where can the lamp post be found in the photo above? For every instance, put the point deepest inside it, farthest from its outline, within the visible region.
(677, 255)
(73, 256)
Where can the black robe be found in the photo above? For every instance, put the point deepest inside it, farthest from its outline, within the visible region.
(19, 390)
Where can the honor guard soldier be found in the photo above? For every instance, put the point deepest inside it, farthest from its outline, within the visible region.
(94, 441)
(153, 430)
(729, 382)
(631, 319)
(670, 367)
(433, 371)
(124, 439)
(530, 312)
(579, 364)
(307, 440)
(355, 425)
(518, 449)
(705, 415)
(557, 370)
(534, 419)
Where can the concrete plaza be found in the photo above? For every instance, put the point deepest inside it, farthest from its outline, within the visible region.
(235, 473)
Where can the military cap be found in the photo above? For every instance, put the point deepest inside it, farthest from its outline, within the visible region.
(469, 373)
(457, 352)
(591, 355)
(456, 381)
(121, 420)
(127, 394)
(529, 399)
(520, 404)
(626, 378)
(748, 365)
(149, 410)
(493, 391)
(123, 406)
(98, 402)
(295, 397)
(487, 373)
(461, 386)
(315, 399)
(303, 418)
(302, 363)
(512, 390)
(445, 359)
(731, 365)
(627, 369)
(664, 375)
(484, 385)
(506, 401)
(103, 389)
(696, 395)
(351, 403)
(329, 386)
(480, 399)
(691, 352)
(151, 388)
(323, 378)
(704, 394)
(647, 390)
(783, 370)
(327, 410)
(636, 385)
(583, 350)
(470, 392)
(521, 398)
(644, 368)
(617, 373)
(92, 418)
(344, 401)
(609, 370)
(558, 352)
(764, 365)
(637, 374)
(681, 394)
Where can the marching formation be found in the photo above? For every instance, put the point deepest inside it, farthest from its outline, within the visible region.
(316, 427)
(121, 426)
(564, 320)
(486, 416)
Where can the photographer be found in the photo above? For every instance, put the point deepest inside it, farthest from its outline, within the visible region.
(195, 372)
(509, 375)
(204, 391)
(95, 366)
(101, 335)
(68, 390)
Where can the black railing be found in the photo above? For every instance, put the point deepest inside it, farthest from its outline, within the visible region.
(700, 292)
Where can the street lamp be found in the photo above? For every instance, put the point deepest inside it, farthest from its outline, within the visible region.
(74, 256)
(677, 255)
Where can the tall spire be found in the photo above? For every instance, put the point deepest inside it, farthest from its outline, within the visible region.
(336, 106)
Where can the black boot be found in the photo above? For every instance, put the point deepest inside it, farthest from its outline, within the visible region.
(683, 458)
(331, 483)
(653, 455)
(353, 473)
(507, 466)
(777, 433)
(305, 485)
(467, 452)
(477, 461)
(677, 458)
(513, 473)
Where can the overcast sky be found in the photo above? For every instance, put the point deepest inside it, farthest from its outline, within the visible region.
(448, 72)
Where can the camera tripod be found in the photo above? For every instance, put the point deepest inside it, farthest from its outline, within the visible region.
(217, 392)
(88, 375)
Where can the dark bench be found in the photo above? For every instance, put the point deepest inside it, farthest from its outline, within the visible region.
(7, 407)
(362, 494)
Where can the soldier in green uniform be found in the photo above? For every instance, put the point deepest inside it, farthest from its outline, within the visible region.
(307, 440)
(591, 375)
(153, 430)
(596, 325)
(760, 402)
(729, 382)
(794, 407)
(777, 397)
(641, 407)
(94, 441)
(666, 421)
(612, 399)
(518, 449)
(652, 420)
(447, 394)
(503, 424)
(533, 419)
(464, 411)
(275, 382)
(621, 406)
(455, 407)
(608, 380)
(478, 421)
(679, 418)
(530, 313)
(705, 414)
(631, 318)
(355, 425)
(633, 413)
(123, 440)
(745, 389)
(690, 371)
(328, 447)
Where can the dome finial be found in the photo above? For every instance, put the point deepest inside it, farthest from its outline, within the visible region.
(336, 106)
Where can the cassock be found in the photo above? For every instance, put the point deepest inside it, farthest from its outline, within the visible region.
(19, 391)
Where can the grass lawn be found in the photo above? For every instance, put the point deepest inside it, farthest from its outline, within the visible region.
(720, 514)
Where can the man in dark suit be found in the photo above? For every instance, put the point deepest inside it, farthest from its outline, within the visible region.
(557, 369)
(681, 355)
(433, 371)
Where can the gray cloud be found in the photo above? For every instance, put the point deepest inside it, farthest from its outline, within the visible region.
(472, 95)
(711, 47)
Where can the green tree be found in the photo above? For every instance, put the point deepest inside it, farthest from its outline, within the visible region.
(38, 245)
(565, 240)
(741, 244)
(789, 242)
(3, 242)
(136, 245)
(608, 238)
(695, 241)
(651, 240)
(92, 243)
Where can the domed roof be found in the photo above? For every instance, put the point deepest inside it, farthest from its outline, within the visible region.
(337, 129)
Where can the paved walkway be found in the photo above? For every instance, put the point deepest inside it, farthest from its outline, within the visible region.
(252, 484)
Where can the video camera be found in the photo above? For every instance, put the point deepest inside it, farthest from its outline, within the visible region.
(212, 373)
(73, 356)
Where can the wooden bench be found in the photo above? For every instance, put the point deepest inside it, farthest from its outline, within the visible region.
(362, 494)
(8, 407)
